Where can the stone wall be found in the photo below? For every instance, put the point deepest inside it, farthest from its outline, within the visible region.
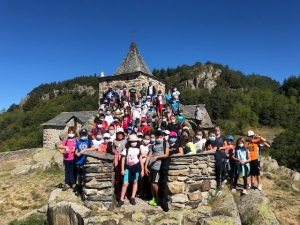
(99, 179)
(189, 181)
(7, 156)
(51, 135)
(128, 80)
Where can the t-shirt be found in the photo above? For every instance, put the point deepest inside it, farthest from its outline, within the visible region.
(210, 143)
(132, 156)
(71, 144)
(253, 148)
(109, 119)
(81, 145)
(132, 93)
(136, 113)
(145, 149)
(119, 146)
(157, 150)
(192, 147)
(97, 143)
(180, 118)
(176, 94)
(150, 90)
(126, 120)
(144, 129)
(199, 144)
(173, 127)
(241, 154)
(103, 146)
(174, 149)
(198, 114)
(219, 142)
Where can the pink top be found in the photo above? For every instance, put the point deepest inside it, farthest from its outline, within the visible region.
(103, 146)
(71, 143)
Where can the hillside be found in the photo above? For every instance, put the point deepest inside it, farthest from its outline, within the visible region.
(233, 100)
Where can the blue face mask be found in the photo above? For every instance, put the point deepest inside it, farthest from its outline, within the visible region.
(99, 137)
(152, 139)
(212, 138)
(218, 132)
(173, 139)
(84, 138)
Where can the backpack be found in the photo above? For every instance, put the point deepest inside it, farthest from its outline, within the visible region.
(157, 101)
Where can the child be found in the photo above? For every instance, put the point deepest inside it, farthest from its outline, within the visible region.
(118, 147)
(67, 148)
(175, 147)
(98, 139)
(131, 167)
(159, 104)
(188, 146)
(199, 141)
(144, 128)
(229, 162)
(126, 119)
(158, 151)
(83, 145)
(136, 113)
(103, 146)
(199, 115)
(241, 155)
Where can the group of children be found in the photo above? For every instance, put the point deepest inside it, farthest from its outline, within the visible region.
(141, 133)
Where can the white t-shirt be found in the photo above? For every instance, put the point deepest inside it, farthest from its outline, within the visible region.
(150, 90)
(199, 144)
(97, 143)
(176, 94)
(132, 157)
(109, 119)
(145, 149)
(136, 113)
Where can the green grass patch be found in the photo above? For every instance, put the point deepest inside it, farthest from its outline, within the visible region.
(34, 219)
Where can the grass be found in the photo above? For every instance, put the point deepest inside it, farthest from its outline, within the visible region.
(34, 219)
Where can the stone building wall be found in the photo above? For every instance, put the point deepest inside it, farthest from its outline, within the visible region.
(51, 135)
(128, 80)
(190, 181)
(99, 179)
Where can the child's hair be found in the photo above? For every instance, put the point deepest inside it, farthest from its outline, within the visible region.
(202, 131)
(72, 128)
(211, 132)
(184, 139)
(239, 140)
(99, 131)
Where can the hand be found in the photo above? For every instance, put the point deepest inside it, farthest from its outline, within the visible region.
(123, 172)
(73, 149)
(242, 162)
(147, 171)
(154, 159)
(142, 173)
(78, 154)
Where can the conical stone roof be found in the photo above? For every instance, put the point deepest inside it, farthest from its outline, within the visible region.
(133, 62)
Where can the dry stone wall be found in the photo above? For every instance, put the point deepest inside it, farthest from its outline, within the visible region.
(189, 181)
(99, 179)
(128, 80)
(51, 135)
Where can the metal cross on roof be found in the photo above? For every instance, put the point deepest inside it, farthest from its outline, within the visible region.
(133, 32)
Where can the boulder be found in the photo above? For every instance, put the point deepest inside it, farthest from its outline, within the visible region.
(255, 207)
(19, 170)
(296, 176)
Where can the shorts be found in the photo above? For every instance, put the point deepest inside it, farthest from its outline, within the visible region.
(79, 169)
(159, 107)
(126, 176)
(254, 168)
(198, 122)
(154, 176)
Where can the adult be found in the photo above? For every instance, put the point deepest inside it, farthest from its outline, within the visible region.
(253, 140)
(220, 139)
(174, 125)
(199, 115)
(151, 91)
(132, 95)
(143, 91)
(176, 94)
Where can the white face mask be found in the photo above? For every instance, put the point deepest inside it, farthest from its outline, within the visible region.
(111, 132)
(158, 140)
(108, 113)
(106, 140)
(173, 121)
(146, 141)
(99, 125)
(198, 137)
(167, 137)
(133, 144)
(71, 135)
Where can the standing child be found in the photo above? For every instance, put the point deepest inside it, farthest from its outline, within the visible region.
(153, 165)
(131, 167)
(241, 155)
(67, 148)
(83, 145)
(199, 115)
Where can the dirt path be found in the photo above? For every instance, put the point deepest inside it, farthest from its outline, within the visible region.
(22, 194)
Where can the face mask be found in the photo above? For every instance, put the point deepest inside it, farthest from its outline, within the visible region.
(241, 145)
(212, 138)
(115, 109)
(71, 135)
(133, 144)
(116, 120)
(175, 89)
(164, 120)
(135, 129)
(172, 139)
(136, 106)
(167, 137)
(101, 120)
(108, 113)
(229, 142)
(198, 137)
(99, 125)
(152, 140)
(249, 138)
(218, 132)
(126, 113)
(173, 121)
(180, 113)
(84, 138)
(158, 140)
(106, 140)
(146, 141)
(140, 139)
(168, 110)
(99, 137)
(144, 124)
(197, 108)
(111, 132)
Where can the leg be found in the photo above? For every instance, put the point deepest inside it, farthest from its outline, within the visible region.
(124, 188)
(154, 188)
(134, 188)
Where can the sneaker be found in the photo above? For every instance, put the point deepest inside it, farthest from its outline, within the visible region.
(152, 202)
(244, 192)
(259, 187)
(65, 188)
(132, 201)
(157, 201)
(120, 203)
(233, 190)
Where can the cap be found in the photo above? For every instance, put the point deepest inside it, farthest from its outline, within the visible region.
(120, 130)
(106, 135)
(230, 137)
(143, 119)
(83, 131)
(186, 128)
(166, 132)
(133, 137)
(124, 86)
(140, 134)
(250, 133)
(173, 134)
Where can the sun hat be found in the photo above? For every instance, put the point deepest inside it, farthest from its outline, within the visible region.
(250, 133)
(120, 130)
(106, 135)
(133, 137)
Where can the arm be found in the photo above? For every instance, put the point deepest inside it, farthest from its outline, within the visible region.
(123, 165)
(180, 149)
(147, 162)
(142, 167)
(162, 156)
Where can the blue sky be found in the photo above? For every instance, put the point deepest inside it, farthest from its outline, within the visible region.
(47, 41)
